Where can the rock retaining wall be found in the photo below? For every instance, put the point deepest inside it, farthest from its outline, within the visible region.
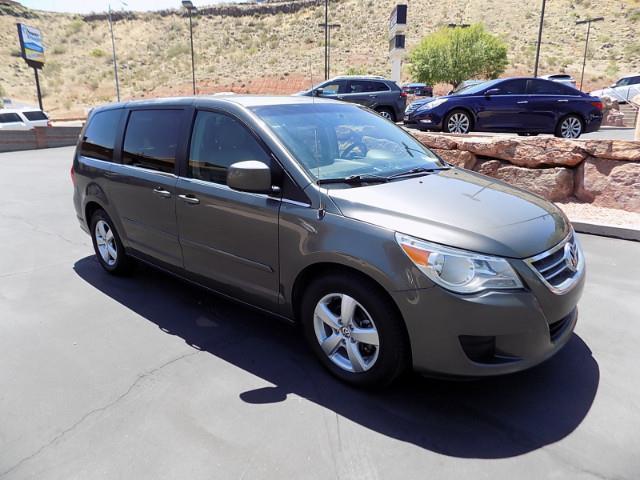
(603, 172)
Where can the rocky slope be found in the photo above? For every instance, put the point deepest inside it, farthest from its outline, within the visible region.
(277, 46)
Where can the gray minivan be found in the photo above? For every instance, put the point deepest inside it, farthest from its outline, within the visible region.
(325, 214)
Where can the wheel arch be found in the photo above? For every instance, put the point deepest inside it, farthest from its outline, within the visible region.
(314, 270)
(466, 110)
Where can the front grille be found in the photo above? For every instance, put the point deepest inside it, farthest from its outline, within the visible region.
(559, 267)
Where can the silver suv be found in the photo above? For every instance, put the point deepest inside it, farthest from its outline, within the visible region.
(324, 214)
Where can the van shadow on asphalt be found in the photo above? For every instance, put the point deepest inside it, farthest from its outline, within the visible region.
(490, 418)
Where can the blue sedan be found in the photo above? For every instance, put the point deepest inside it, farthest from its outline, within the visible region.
(527, 106)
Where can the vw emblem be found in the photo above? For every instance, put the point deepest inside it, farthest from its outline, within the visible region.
(571, 256)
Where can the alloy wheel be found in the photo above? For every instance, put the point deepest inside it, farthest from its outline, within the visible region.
(458, 123)
(571, 128)
(385, 114)
(106, 243)
(346, 332)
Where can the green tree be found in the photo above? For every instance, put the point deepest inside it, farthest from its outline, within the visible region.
(451, 55)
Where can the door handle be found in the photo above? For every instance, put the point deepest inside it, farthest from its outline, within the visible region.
(522, 102)
(189, 198)
(563, 100)
(162, 192)
(373, 96)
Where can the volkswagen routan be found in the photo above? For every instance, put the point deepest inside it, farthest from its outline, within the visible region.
(325, 214)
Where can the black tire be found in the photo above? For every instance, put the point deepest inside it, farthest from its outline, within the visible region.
(575, 120)
(393, 353)
(453, 114)
(122, 264)
(386, 113)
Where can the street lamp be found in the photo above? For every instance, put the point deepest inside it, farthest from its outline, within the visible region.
(113, 50)
(535, 68)
(588, 21)
(327, 47)
(191, 8)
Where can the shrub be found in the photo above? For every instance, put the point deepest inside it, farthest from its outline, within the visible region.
(97, 52)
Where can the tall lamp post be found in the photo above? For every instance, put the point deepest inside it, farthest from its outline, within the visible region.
(588, 21)
(191, 8)
(113, 49)
(327, 47)
(535, 68)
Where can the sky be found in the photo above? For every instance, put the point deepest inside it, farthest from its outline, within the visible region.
(87, 6)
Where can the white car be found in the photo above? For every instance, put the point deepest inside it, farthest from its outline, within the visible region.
(561, 78)
(23, 119)
(623, 90)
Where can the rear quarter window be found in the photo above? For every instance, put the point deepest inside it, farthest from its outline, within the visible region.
(35, 115)
(100, 135)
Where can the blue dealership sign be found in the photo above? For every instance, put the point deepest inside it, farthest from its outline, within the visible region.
(31, 45)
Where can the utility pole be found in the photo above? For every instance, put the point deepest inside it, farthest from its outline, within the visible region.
(327, 46)
(113, 49)
(535, 68)
(191, 7)
(588, 21)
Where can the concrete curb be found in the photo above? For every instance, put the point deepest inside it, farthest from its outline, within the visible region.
(607, 231)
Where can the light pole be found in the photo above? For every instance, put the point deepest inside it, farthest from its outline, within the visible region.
(191, 8)
(113, 49)
(588, 21)
(327, 47)
(457, 25)
(535, 68)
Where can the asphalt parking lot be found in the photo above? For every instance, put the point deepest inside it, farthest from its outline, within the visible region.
(149, 378)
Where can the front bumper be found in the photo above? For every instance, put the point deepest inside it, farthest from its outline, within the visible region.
(429, 120)
(490, 333)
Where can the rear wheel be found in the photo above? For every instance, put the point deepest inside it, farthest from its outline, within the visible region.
(569, 127)
(107, 244)
(457, 121)
(386, 113)
(354, 330)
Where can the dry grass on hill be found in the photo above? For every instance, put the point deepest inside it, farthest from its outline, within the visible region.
(276, 53)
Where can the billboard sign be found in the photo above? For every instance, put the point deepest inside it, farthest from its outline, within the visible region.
(31, 45)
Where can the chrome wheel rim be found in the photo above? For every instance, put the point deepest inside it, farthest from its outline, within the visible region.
(385, 114)
(346, 332)
(106, 243)
(571, 128)
(458, 123)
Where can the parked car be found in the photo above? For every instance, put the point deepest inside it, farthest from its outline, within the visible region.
(464, 85)
(418, 89)
(379, 94)
(625, 89)
(22, 119)
(561, 78)
(521, 105)
(314, 210)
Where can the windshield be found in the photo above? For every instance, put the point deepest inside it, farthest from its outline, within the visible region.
(477, 88)
(340, 140)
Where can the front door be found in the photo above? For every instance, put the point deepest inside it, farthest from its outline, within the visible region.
(229, 238)
(143, 184)
(505, 110)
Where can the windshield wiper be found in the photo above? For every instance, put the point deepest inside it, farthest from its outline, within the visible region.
(351, 179)
(416, 171)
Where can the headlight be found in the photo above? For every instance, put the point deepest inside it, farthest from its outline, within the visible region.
(458, 270)
(432, 104)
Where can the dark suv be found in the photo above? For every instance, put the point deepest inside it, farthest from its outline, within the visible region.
(377, 93)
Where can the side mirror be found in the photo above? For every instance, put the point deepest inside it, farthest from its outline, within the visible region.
(492, 91)
(250, 176)
(318, 92)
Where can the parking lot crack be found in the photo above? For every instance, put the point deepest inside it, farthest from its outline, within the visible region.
(95, 411)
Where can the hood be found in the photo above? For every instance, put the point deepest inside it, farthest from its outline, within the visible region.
(459, 209)
(423, 100)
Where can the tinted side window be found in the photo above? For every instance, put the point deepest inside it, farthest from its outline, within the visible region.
(218, 141)
(333, 88)
(635, 81)
(100, 135)
(546, 87)
(363, 86)
(35, 115)
(151, 139)
(9, 118)
(512, 87)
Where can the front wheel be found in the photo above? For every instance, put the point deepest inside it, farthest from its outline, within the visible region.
(386, 113)
(457, 121)
(354, 330)
(569, 127)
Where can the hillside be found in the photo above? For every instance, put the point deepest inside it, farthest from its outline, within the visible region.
(252, 48)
